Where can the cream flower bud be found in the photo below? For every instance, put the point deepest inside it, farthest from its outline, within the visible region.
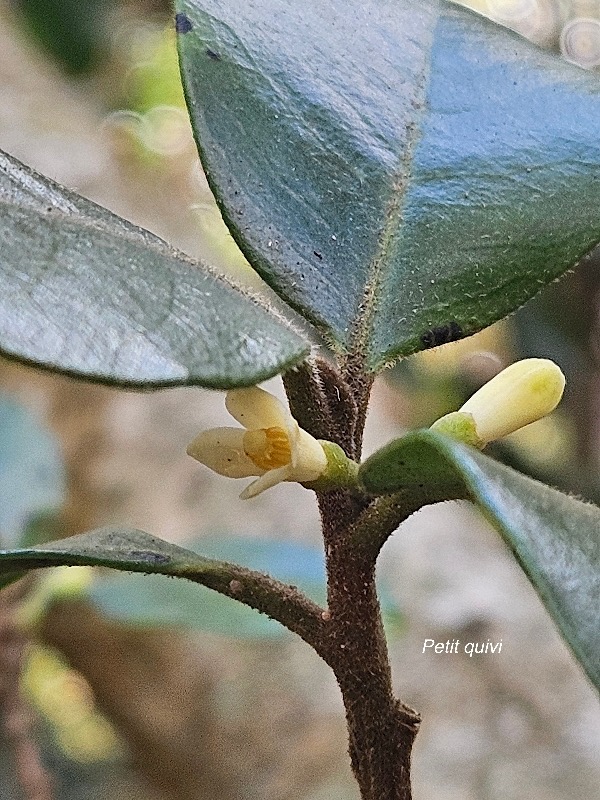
(522, 393)
(271, 445)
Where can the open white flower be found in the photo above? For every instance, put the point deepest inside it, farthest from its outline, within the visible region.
(522, 393)
(271, 444)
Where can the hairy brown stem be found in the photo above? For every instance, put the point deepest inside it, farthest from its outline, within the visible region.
(284, 603)
(381, 729)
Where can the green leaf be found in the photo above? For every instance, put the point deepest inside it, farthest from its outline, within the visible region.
(32, 477)
(87, 293)
(75, 32)
(554, 537)
(130, 550)
(402, 173)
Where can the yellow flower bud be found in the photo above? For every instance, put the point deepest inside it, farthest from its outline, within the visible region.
(522, 393)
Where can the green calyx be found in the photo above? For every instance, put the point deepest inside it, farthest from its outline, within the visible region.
(459, 425)
(340, 472)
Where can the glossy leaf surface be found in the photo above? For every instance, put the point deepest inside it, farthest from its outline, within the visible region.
(554, 537)
(401, 172)
(87, 293)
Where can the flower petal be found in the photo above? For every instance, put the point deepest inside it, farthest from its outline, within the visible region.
(522, 393)
(254, 408)
(266, 481)
(222, 450)
(311, 461)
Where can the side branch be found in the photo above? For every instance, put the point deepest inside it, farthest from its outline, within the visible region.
(283, 603)
(384, 515)
(380, 519)
(136, 551)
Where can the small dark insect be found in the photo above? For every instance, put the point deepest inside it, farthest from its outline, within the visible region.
(211, 54)
(149, 557)
(183, 24)
(318, 255)
(442, 334)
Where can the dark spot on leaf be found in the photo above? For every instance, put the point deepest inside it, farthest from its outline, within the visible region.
(211, 54)
(148, 557)
(183, 24)
(318, 255)
(442, 334)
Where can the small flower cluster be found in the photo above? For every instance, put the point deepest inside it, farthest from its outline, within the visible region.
(274, 448)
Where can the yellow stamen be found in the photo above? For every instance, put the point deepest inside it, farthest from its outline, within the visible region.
(268, 448)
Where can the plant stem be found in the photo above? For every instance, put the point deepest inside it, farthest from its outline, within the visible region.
(381, 730)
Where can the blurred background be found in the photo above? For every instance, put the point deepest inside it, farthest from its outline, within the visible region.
(150, 689)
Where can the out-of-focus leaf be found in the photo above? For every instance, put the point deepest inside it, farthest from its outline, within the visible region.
(401, 173)
(32, 479)
(554, 537)
(75, 32)
(87, 293)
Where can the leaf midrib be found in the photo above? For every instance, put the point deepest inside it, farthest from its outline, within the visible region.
(380, 264)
